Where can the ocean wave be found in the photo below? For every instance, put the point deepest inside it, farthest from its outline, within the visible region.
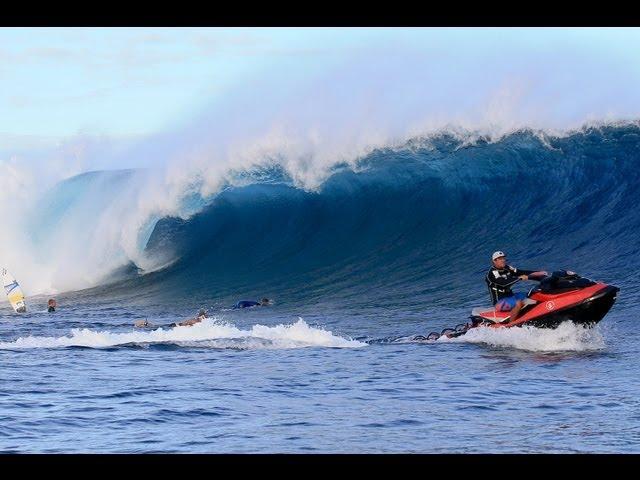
(398, 215)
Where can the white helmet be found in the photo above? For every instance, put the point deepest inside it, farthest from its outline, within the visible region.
(497, 254)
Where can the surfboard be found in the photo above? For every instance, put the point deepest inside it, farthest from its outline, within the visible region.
(13, 291)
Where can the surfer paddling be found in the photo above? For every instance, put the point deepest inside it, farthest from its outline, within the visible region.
(251, 303)
(202, 314)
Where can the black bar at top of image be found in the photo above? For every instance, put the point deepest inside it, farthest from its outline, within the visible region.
(268, 14)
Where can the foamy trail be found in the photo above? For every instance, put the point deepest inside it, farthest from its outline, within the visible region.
(209, 333)
(567, 337)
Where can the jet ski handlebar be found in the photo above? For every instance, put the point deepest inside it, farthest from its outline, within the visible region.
(549, 282)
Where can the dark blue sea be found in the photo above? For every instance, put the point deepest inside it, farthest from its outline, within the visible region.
(377, 254)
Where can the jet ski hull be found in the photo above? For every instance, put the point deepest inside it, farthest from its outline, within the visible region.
(588, 312)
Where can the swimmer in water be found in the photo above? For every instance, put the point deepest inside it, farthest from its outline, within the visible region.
(250, 303)
(202, 314)
(51, 305)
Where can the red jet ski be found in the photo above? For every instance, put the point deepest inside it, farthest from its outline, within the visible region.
(559, 297)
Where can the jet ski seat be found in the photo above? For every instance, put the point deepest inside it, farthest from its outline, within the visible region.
(478, 311)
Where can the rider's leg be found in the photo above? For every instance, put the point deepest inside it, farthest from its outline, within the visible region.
(516, 310)
(512, 305)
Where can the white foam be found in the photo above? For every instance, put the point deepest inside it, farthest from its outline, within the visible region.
(210, 332)
(567, 337)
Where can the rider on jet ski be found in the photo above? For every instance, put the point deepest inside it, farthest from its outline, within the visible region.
(500, 278)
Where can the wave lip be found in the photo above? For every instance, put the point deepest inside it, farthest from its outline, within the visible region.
(211, 333)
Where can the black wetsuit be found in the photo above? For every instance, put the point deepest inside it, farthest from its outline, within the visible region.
(246, 304)
(499, 281)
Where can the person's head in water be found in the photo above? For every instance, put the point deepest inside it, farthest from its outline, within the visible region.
(265, 301)
(51, 305)
(499, 259)
(202, 313)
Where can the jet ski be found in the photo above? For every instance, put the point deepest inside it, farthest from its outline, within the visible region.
(559, 297)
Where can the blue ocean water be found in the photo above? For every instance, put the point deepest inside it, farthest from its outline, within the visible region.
(394, 248)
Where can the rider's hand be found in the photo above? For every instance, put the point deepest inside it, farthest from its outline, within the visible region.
(523, 277)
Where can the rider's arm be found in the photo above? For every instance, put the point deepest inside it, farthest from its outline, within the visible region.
(520, 271)
(529, 273)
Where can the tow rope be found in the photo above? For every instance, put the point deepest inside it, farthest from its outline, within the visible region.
(456, 331)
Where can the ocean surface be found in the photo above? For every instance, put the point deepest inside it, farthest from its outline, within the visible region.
(396, 247)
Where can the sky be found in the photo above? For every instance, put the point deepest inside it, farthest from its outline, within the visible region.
(130, 82)
(56, 82)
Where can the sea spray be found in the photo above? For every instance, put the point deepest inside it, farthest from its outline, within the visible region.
(203, 334)
(567, 337)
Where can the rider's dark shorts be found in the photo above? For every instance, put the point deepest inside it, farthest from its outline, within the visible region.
(508, 303)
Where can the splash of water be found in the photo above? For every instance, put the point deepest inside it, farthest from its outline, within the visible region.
(211, 332)
(567, 337)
